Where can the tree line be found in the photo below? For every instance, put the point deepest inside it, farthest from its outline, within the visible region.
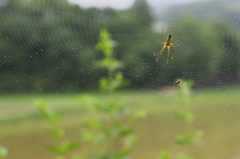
(51, 46)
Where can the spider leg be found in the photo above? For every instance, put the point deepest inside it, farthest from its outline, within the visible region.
(175, 45)
(161, 37)
(159, 54)
(177, 40)
(169, 55)
(160, 41)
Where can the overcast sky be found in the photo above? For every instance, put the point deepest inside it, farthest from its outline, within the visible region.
(122, 4)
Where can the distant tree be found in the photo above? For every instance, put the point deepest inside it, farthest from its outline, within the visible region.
(228, 59)
(133, 31)
(143, 13)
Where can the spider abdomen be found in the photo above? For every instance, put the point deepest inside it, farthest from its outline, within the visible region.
(167, 45)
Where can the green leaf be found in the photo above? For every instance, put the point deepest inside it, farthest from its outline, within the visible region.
(106, 44)
(190, 138)
(3, 152)
(58, 133)
(93, 123)
(108, 63)
(72, 146)
(41, 104)
(165, 155)
(88, 136)
(55, 149)
(103, 84)
(185, 115)
(64, 148)
(126, 132)
(47, 114)
(121, 130)
(190, 83)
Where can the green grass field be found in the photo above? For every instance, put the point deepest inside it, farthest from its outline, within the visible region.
(217, 114)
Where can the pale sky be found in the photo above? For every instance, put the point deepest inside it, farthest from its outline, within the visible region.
(122, 4)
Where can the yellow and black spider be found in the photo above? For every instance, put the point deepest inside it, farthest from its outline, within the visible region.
(166, 44)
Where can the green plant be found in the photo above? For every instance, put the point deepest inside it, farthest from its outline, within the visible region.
(114, 79)
(107, 128)
(184, 113)
(110, 127)
(63, 147)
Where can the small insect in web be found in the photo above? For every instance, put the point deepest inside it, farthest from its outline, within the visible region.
(166, 44)
(177, 82)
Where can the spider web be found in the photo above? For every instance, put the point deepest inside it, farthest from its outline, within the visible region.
(208, 51)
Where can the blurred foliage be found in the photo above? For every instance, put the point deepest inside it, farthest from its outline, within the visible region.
(50, 45)
(63, 146)
(191, 137)
(3, 152)
(109, 129)
(185, 113)
(115, 79)
(107, 126)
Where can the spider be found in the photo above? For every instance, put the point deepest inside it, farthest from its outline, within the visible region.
(166, 44)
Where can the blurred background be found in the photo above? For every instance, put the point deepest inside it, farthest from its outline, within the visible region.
(49, 51)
